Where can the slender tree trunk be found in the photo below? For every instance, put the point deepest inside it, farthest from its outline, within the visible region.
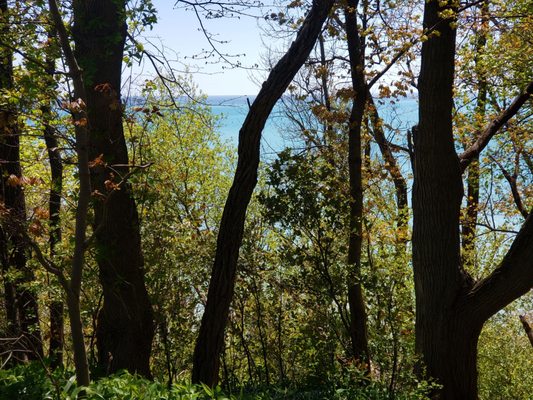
(472, 198)
(78, 343)
(73, 286)
(262, 337)
(21, 303)
(206, 359)
(125, 324)
(56, 308)
(54, 207)
(358, 318)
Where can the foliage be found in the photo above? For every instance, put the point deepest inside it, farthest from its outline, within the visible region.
(287, 335)
(505, 356)
(33, 382)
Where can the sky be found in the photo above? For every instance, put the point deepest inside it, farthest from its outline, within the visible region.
(178, 32)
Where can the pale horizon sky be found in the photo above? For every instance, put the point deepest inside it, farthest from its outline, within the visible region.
(178, 31)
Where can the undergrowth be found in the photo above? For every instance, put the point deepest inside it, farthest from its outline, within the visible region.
(33, 382)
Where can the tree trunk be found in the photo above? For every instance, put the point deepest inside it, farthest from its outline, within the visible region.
(468, 231)
(125, 323)
(206, 359)
(56, 308)
(72, 287)
(21, 303)
(54, 208)
(358, 318)
(78, 343)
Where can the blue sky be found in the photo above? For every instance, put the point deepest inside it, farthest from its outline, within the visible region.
(178, 30)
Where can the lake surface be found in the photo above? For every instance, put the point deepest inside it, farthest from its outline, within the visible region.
(233, 109)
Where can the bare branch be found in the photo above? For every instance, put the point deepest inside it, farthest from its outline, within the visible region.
(527, 328)
(484, 137)
(511, 178)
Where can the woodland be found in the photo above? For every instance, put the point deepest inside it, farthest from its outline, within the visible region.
(143, 256)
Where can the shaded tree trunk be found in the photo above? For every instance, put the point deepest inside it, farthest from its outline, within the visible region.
(125, 324)
(358, 318)
(56, 308)
(450, 308)
(21, 303)
(206, 359)
(54, 208)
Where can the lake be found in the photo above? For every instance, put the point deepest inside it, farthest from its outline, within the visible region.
(233, 109)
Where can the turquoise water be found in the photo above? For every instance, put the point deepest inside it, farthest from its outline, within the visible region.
(233, 109)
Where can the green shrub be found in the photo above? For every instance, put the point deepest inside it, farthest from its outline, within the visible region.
(34, 382)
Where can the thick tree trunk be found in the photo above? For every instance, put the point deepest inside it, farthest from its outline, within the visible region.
(21, 302)
(125, 324)
(437, 192)
(210, 341)
(358, 318)
(450, 355)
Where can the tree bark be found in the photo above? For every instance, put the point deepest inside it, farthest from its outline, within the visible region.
(450, 308)
(56, 308)
(358, 318)
(125, 324)
(54, 208)
(206, 359)
(21, 303)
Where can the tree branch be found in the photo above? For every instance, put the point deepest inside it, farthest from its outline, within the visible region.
(527, 328)
(512, 279)
(511, 179)
(484, 137)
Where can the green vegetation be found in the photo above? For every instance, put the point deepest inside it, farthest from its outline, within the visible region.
(144, 257)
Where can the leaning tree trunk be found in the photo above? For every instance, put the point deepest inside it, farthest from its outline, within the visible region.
(450, 308)
(21, 302)
(125, 324)
(206, 359)
(358, 318)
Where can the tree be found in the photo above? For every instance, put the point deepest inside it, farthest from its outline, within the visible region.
(211, 335)
(21, 303)
(125, 323)
(72, 285)
(451, 306)
(358, 329)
